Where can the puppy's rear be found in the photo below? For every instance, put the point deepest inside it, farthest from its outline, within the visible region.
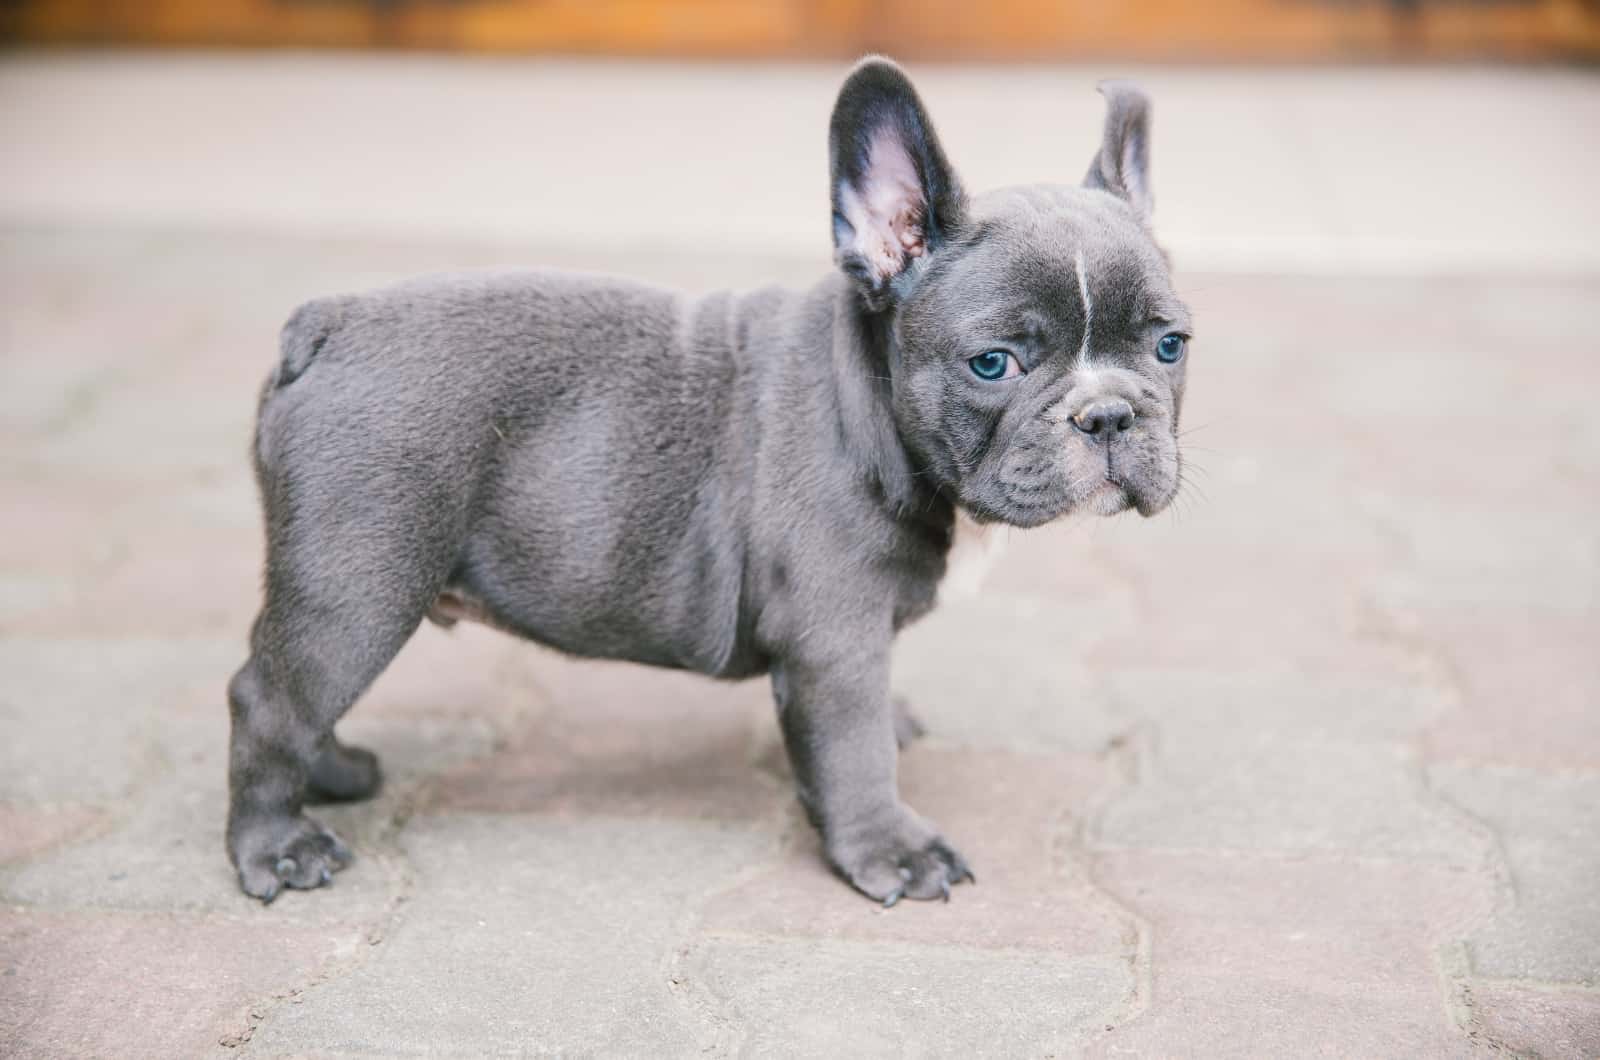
(436, 435)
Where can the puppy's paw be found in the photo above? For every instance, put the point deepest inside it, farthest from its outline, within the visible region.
(342, 773)
(904, 858)
(286, 852)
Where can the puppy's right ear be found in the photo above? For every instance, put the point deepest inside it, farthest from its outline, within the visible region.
(1123, 165)
(895, 197)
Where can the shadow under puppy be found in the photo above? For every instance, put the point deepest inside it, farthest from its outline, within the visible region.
(739, 484)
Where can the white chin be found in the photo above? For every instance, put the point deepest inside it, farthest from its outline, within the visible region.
(1107, 499)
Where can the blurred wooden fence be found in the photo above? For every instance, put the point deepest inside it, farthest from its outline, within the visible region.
(1271, 30)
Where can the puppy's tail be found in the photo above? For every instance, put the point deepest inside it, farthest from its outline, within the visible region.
(303, 337)
(304, 334)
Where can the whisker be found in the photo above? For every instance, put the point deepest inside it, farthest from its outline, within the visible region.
(1194, 489)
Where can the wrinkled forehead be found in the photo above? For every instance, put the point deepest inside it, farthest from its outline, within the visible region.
(1052, 245)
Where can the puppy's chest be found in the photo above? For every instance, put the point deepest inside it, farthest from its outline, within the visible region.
(974, 551)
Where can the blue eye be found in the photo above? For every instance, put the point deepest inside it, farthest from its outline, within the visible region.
(1170, 348)
(992, 365)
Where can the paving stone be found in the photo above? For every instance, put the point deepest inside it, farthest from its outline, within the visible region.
(1538, 1020)
(645, 770)
(529, 936)
(1014, 817)
(26, 829)
(947, 667)
(1304, 956)
(80, 719)
(590, 694)
(1476, 459)
(169, 855)
(1236, 790)
(65, 357)
(624, 740)
(471, 676)
(1578, 450)
(101, 984)
(835, 998)
(1473, 554)
(1401, 379)
(1199, 607)
(1062, 562)
(1529, 687)
(1550, 929)
(24, 594)
(166, 851)
(1440, 321)
(77, 542)
(159, 392)
(149, 586)
(1369, 695)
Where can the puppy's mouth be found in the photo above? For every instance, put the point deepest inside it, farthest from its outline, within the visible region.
(1078, 479)
(1107, 497)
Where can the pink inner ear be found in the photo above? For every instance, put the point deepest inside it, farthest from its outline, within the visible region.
(887, 210)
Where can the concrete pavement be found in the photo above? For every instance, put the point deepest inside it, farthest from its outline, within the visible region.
(1308, 766)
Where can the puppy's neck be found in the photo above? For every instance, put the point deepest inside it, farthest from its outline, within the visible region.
(862, 353)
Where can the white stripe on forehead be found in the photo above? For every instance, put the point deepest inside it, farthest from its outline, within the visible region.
(1088, 310)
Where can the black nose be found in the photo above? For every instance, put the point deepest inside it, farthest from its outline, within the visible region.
(1105, 419)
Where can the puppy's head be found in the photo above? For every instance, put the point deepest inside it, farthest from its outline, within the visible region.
(1037, 349)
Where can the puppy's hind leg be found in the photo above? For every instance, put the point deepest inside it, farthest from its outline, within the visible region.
(337, 612)
(305, 670)
(342, 773)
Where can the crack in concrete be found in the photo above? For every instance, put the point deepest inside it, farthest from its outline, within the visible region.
(388, 853)
(1123, 753)
(1452, 957)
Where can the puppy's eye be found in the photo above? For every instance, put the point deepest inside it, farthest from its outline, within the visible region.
(995, 364)
(1170, 348)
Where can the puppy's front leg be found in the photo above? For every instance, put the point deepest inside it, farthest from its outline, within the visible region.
(838, 727)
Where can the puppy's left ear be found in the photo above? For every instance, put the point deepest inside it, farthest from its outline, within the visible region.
(895, 197)
(1123, 165)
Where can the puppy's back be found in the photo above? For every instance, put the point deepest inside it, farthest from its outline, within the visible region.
(592, 429)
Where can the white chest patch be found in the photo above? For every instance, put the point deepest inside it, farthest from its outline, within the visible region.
(973, 554)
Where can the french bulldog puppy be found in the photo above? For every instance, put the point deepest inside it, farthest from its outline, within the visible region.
(736, 484)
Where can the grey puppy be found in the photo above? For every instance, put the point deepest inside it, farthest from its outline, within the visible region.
(739, 484)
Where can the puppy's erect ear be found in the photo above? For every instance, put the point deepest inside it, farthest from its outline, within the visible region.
(895, 198)
(1123, 165)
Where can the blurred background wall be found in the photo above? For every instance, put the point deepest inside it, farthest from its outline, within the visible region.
(1272, 30)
